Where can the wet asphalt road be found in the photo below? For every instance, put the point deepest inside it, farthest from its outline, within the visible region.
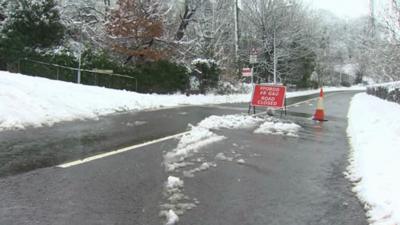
(33, 148)
(284, 180)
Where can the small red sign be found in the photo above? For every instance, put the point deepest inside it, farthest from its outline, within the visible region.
(247, 72)
(269, 96)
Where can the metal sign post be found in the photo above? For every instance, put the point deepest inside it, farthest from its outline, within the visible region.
(253, 60)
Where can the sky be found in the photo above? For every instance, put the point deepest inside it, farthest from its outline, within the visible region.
(342, 8)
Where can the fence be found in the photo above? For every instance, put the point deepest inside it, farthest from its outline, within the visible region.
(70, 74)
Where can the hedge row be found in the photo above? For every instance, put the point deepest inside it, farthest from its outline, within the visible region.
(385, 93)
(161, 77)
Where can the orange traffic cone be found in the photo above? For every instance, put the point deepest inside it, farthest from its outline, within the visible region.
(319, 113)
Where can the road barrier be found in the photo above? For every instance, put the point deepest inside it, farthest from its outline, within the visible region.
(320, 111)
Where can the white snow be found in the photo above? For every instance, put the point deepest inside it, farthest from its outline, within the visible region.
(204, 166)
(241, 161)
(188, 145)
(174, 182)
(229, 122)
(33, 101)
(172, 218)
(374, 132)
(221, 156)
(277, 127)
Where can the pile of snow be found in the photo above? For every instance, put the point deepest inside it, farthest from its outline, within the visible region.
(374, 131)
(277, 127)
(188, 145)
(33, 101)
(176, 200)
(173, 183)
(229, 122)
(172, 218)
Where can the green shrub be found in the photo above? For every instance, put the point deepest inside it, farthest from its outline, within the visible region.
(161, 77)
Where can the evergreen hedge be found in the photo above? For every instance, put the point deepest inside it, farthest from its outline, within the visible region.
(162, 77)
(385, 93)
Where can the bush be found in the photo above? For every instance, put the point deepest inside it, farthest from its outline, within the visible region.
(345, 84)
(207, 72)
(384, 93)
(161, 77)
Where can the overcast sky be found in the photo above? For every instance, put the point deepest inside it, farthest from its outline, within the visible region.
(342, 8)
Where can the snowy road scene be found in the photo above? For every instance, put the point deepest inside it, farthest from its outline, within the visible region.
(199, 112)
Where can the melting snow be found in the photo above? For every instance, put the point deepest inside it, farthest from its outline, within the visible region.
(277, 127)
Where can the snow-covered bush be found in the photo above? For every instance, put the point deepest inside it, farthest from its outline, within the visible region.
(392, 94)
(207, 72)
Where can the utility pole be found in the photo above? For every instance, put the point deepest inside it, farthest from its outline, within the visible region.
(275, 56)
(236, 9)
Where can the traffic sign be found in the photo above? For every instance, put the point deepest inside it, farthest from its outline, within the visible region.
(253, 59)
(253, 56)
(269, 96)
(247, 72)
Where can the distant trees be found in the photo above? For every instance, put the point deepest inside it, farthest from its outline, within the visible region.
(282, 31)
(292, 41)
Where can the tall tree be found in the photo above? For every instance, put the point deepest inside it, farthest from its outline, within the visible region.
(28, 25)
(283, 33)
(134, 27)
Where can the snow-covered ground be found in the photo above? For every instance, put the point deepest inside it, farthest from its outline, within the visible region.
(33, 101)
(374, 131)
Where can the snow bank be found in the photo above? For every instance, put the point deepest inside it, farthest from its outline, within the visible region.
(374, 131)
(33, 101)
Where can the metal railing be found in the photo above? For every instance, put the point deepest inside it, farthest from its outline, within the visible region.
(70, 74)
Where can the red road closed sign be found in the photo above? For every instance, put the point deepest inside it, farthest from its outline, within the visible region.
(269, 96)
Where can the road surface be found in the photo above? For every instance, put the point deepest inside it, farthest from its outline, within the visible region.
(282, 180)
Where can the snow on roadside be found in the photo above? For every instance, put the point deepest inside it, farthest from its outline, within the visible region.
(34, 101)
(374, 132)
